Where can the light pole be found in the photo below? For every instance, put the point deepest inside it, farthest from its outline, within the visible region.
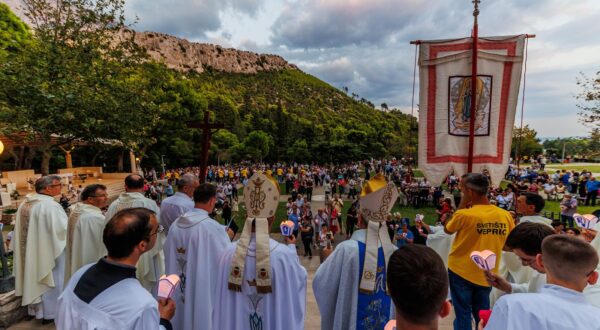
(162, 163)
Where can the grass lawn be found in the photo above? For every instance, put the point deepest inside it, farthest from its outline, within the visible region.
(418, 174)
(553, 206)
(410, 212)
(594, 168)
(407, 212)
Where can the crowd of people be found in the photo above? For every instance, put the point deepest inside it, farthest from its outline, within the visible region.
(99, 265)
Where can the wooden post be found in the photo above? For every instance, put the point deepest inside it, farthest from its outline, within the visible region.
(133, 162)
(473, 114)
(206, 128)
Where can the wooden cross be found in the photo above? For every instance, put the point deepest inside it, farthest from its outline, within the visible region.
(207, 130)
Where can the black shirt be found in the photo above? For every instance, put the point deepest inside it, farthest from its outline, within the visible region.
(418, 238)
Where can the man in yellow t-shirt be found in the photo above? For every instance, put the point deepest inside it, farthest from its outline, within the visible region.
(478, 226)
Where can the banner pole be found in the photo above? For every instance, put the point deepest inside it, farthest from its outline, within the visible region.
(473, 109)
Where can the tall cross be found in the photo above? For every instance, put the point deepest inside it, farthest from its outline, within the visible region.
(207, 130)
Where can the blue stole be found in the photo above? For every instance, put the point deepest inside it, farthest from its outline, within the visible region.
(373, 310)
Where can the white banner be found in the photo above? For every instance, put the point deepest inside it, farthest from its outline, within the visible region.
(445, 105)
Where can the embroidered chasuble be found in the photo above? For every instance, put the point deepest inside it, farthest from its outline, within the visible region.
(84, 238)
(283, 308)
(151, 265)
(39, 244)
(192, 251)
(373, 310)
(336, 287)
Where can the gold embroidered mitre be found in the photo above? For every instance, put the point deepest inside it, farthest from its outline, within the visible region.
(261, 196)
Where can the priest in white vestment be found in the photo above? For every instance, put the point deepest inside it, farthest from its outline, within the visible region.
(439, 240)
(152, 264)
(528, 207)
(39, 245)
(182, 201)
(192, 251)
(84, 231)
(261, 284)
(106, 294)
(350, 286)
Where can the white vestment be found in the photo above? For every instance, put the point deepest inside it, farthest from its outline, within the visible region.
(151, 265)
(336, 285)
(536, 219)
(284, 308)
(38, 245)
(538, 280)
(511, 267)
(84, 238)
(125, 306)
(440, 242)
(192, 250)
(592, 292)
(554, 308)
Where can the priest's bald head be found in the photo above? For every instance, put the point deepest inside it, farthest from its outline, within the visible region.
(134, 183)
(129, 233)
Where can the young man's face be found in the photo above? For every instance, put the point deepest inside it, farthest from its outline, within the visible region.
(523, 207)
(528, 260)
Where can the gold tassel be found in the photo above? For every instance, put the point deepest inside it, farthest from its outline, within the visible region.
(234, 287)
(264, 289)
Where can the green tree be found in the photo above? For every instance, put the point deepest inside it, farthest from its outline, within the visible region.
(257, 145)
(77, 79)
(576, 147)
(299, 151)
(525, 142)
(13, 32)
(590, 100)
(223, 142)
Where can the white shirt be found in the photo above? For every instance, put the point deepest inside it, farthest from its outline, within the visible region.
(554, 308)
(173, 207)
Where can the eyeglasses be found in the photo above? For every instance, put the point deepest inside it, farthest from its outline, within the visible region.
(527, 262)
(159, 230)
(100, 196)
(57, 185)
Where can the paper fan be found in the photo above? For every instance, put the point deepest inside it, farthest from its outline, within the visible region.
(486, 260)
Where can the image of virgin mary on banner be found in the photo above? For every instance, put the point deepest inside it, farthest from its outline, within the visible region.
(445, 104)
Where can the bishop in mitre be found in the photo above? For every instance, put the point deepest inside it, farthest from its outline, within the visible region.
(192, 251)
(151, 265)
(85, 228)
(350, 286)
(39, 246)
(261, 284)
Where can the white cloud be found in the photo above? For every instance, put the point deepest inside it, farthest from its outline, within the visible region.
(184, 18)
(364, 44)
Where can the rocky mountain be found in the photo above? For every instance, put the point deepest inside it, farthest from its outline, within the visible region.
(183, 55)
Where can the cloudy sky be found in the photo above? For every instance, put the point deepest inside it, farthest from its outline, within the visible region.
(364, 44)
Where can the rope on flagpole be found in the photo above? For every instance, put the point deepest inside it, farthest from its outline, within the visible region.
(412, 104)
(519, 141)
